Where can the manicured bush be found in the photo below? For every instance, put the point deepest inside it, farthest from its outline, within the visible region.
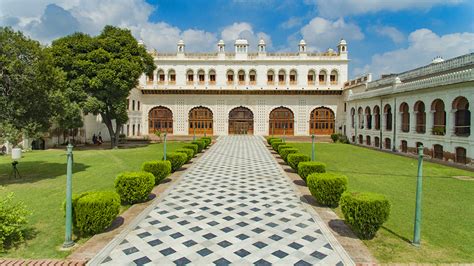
(269, 140)
(275, 139)
(134, 187)
(12, 221)
(93, 212)
(284, 146)
(365, 212)
(307, 168)
(294, 159)
(284, 152)
(208, 140)
(343, 139)
(327, 188)
(189, 153)
(200, 144)
(193, 147)
(335, 137)
(159, 169)
(276, 143)
(177, 160)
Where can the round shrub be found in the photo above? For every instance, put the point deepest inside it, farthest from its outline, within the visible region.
(275, 139)
(159, 169)
(269, 140)
(200, 144)
(327, 188)
(284, 146)
(13, 221)
(284, 152)
(294, 159)
(307, 168)
(208, 140)
(276, 144)
(189, 153)
(365, 212)
(177, 160)
(193, 147)
(335, 137)
(134, 187)
(93, 212)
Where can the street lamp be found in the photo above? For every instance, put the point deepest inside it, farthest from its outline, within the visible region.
(68, 238)
(419, 183)
(312, 147)
(164, 147)
(284, 133)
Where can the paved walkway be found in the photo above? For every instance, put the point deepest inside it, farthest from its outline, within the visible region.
(233, 206)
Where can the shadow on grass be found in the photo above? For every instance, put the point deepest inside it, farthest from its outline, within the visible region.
(341, 228)
(28, 234)
(34, 171)
(396, 234)
(390, 174)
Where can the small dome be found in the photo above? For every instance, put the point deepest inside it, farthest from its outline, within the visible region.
(342, 42)
(221, 42)
(330, 50)
(180, 42)
(437, 59)
(261, 42)
(302, 42)
(241, 42)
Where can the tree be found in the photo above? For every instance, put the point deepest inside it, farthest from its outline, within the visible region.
(101, 71)
(29, 86)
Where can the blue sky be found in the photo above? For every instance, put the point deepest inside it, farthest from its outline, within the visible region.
(384, 36)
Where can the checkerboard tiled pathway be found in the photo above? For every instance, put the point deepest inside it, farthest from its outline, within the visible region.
(234, 206)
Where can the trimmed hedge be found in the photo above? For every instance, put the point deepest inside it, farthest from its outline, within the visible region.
(365, 212)
(134, 187)
(335, 137)
(201, 144)
(208, 140)
(294, 159)
(284, 152)
(193, 147)
(307, 168)
(276, 144)
(93, 212)
(159, 169)
(189, 153)
(275, 139)
(284, 146)
(177, 160)
(269, 140)
(327, 188)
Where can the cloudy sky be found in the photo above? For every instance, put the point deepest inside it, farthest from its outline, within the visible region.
(384, 36)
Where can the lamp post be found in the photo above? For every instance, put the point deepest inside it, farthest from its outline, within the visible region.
(419, 183)
(164, 147)
(68, 238)
(194, 132)
(284, 133)
(312, 147)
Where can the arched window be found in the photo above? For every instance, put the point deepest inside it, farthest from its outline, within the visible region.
(138, 105)
(322, 76)
(388, 117)
(171, 77)
(377, 117)
(361, 139)
(212, 77)
(420, 117)
(462, 117)
(377, 142)
(461, 155)
(133, 130)
(253, 77)
(149, 78)
(230, 77)
(160, 119)
(404, 146)
(333, 77)
(360, 117)
(311, 77)
(352, 117)
(388, 143)
(281, 77)
(368, 117)
(201, 76)
(200, 121)
(161, 76)
(270, 77)
(439, 117)
(281, 121)
(241, 75)
(367, 141)
(321, 121)
(190, 77)
(405, 114)
(293, 77)
(133, 105)
(438, 152)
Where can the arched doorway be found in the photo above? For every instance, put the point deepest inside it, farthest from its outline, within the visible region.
(160, 119)
(281, 121)
(200, 121)
(462, 117)
(321, 121)
(241, 121)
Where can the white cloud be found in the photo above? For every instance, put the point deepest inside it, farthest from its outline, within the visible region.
(424, 45)
(393, 33)
(321, 33)
(292, 22)
(341, 8)
(244, 30)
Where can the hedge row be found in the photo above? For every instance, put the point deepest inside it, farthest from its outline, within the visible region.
(93, 212)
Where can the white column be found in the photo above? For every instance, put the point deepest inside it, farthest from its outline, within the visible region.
(413, 121)
(429, 122)
(450, 122)
(155, 78)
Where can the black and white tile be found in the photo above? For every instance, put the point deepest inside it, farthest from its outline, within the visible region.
(234, 206)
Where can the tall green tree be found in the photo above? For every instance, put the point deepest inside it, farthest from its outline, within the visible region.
(101, 71)
(29, 86)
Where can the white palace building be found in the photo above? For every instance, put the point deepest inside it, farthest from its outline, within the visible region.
(301, 94)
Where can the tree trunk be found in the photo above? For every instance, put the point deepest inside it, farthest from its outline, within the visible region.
(108, 123)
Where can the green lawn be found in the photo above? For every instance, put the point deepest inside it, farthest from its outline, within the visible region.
(447, 230)
(43, 187)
